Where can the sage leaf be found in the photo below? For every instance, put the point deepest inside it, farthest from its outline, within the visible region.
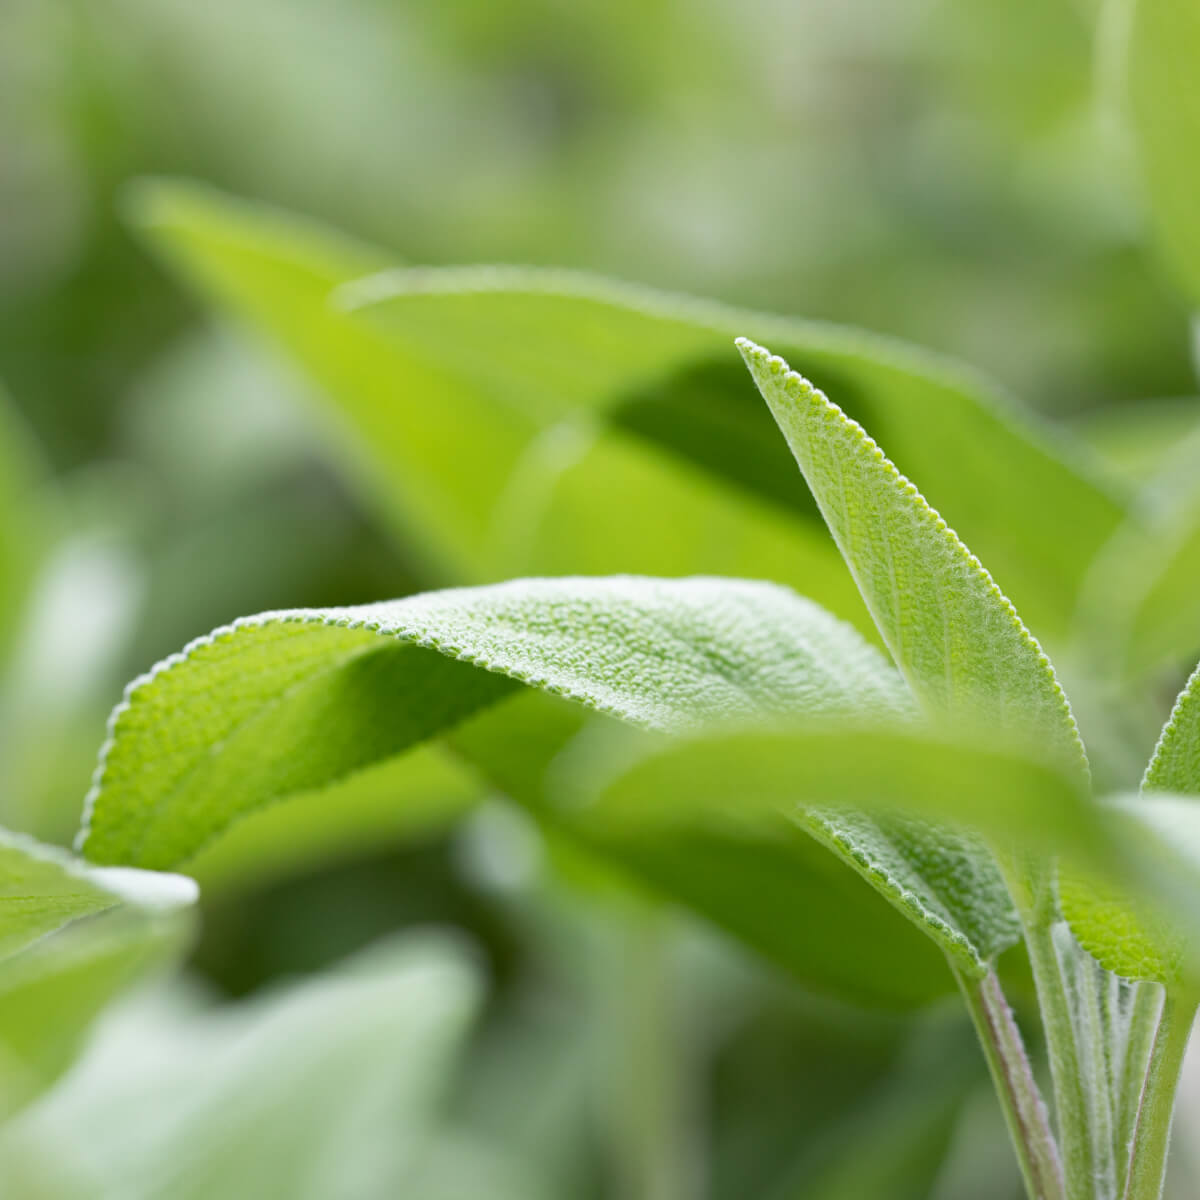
(302, 703)
(954, 635)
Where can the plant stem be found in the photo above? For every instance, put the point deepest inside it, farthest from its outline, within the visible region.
(1071, 1100)
(1024, 1111)
(1152, 1132)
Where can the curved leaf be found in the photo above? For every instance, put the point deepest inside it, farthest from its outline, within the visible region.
(302, 703)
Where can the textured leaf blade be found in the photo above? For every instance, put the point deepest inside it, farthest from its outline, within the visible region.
(307, 701)
(955, 636)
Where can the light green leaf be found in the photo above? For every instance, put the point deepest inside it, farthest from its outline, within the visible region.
(903, 776)
(1165, 104)
(1137, 613)
(43, 888)
(303, 703)
(52, 984)
(1144, 926)
(20, 521)
(955, 636)
(52, 992)
(288, 702)
(1175, 764)
(326, 1089)
(496, 413)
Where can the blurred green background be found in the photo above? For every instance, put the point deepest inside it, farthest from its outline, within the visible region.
(960, 175)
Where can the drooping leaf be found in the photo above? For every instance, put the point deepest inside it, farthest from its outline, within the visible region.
(954, 635)
(496, 413)
(1165, 106)
(306, 702)
(329, 1088)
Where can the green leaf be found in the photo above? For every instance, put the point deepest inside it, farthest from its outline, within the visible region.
(303, 703)
(1165, 105)
(495, 414)
(1175, 764)
(21, 524)
(328, 1088)
(1137, 613)
(1144, 926)
(956, 638)
(43, 888)
(902, 776)
(53, 981)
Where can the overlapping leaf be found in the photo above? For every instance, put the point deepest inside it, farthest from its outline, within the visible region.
(295, 703)
(954, 635)
(497, 412)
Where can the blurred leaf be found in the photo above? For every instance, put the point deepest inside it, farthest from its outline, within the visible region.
(52, 992)
(1137, 611)
(956, 638)
(328, 1089)
(20, 522)
(317, 701)
(1164, 47)
(52, 986)
(904, 776)
(1151, 932)
(496, 413)
(43, 888)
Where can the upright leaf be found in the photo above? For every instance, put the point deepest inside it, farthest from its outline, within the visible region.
(952, 632)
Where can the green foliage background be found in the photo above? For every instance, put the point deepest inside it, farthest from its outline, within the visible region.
(191, 432)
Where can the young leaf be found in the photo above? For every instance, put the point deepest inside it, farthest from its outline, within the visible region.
(302, 703)
(51, 987)
(955, 636)
(1165, 105)
(1151, 932)
(496, 412)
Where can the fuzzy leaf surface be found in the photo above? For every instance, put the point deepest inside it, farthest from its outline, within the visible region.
(290, 704)
(954, 635)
